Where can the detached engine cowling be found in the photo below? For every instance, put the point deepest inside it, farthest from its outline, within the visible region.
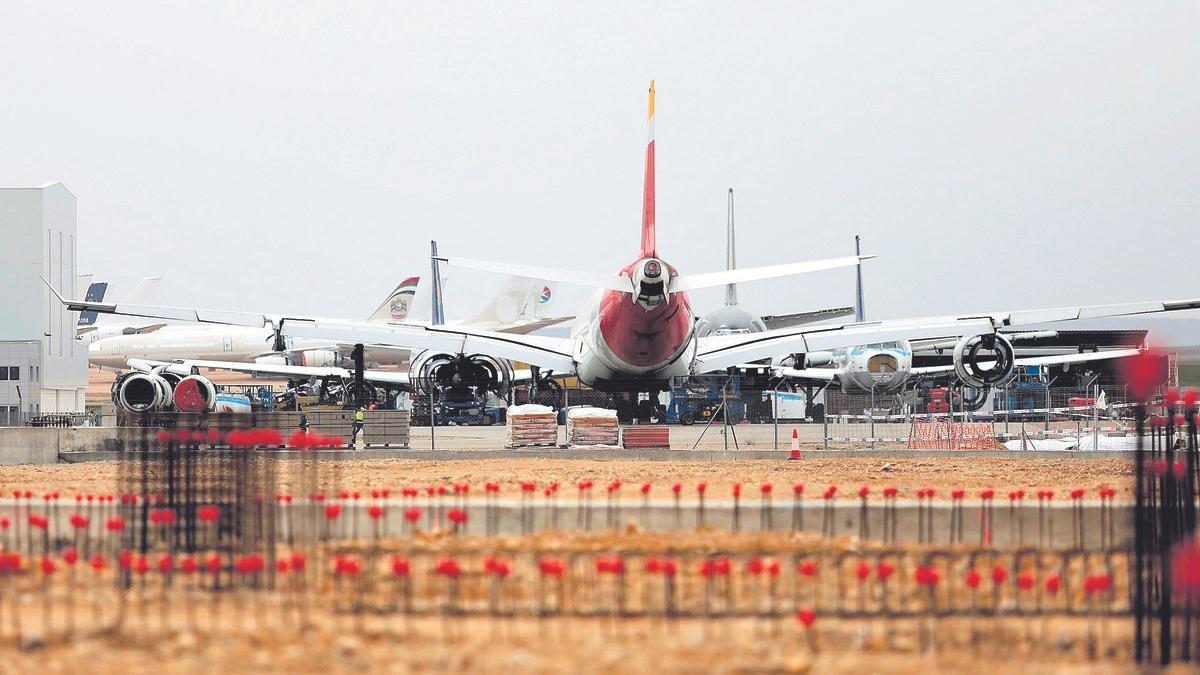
(195, 394)
(139, 392)
(460, 375)
(983, 361)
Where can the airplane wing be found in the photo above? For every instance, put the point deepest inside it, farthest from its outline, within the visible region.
(286, 371)
(822, 374)
(775, 321)
(545, 352)
(717, 352)
(535, 324)
(1058, 359)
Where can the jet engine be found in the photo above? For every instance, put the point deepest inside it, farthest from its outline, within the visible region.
(460, 375)
(173, 374)
(139, 392)
(983, 361)
(195, 394)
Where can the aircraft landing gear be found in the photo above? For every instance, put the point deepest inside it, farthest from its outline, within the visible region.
(359, 392)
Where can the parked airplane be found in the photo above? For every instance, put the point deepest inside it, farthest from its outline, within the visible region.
(886, 367)
(161, 361)
(639, 330)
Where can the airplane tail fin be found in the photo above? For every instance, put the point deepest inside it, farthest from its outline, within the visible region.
(397, 306)
(95, 293)
(860, 312)
(438, 311)
(648, 244)
(730, 261)
(521, 299)
(144, 293)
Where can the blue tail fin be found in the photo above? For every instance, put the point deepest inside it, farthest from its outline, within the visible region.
(438, 311)
(95, 293)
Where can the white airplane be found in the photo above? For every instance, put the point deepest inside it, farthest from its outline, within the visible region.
(639, 329)
(886, 367)
(163, 360)
(102, 327)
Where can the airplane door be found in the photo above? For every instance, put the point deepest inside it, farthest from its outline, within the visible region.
(228, 344)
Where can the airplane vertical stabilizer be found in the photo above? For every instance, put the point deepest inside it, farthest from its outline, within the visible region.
(648, 244)
(860, 312)
(730, 259)
(438, 313)
(398, 305)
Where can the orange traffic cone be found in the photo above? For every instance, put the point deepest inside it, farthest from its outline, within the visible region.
(795, 454)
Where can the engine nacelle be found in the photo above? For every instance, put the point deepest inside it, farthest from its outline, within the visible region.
(460, 375)
(195, 394)
(139, 392)
(173, 373)
(983, 361)
(815, 359)
(315, 358)
(319, 358)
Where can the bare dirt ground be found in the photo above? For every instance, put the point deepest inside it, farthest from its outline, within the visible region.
(529, 645)
(907, 474)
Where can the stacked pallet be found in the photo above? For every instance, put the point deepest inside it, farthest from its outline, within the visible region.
(592, 427)
(647, 436)
(532, 425)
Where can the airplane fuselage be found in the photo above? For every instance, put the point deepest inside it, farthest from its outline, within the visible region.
(222, 343)
(881, 367)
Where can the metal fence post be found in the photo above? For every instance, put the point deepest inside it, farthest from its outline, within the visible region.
(775, 411)
(872, 415)
(825, 428)
(1095, 418)
(1047, 413)
(432, 421)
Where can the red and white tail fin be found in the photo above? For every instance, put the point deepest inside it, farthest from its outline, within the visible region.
(648, 246)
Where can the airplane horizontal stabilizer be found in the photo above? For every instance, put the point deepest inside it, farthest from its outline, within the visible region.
(689, 282)
(593, 279)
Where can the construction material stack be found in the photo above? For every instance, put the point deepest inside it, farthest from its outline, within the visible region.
(592, 427)
(647, 436)
(532, 424)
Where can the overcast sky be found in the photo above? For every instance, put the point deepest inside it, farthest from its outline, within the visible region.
(299, 156)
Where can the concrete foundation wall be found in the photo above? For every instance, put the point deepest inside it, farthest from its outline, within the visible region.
(28, 445)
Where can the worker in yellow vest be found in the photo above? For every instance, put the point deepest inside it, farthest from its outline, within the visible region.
(359, 416)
